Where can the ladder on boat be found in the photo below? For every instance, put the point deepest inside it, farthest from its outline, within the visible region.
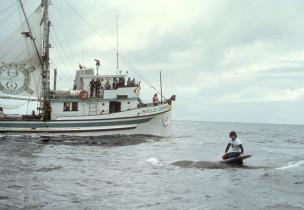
(93, 108)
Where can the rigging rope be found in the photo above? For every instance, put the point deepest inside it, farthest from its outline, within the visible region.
(62, 48)
(110, 45)
(90, 25)
(66, 39)
(142, 77)
(64, 73)
(65, 78)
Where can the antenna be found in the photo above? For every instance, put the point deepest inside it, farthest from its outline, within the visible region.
(161, 87)
(117, 54)
(82, 54)
(97, 64)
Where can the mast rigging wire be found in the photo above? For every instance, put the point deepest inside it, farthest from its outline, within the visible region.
(66, 39)
(62, 48)
(110, 45)
(66, 76)
(29, 27)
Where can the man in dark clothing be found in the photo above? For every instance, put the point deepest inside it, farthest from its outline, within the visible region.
(129, 82)
(92, 87)
(97, 87)
(107, 85)
(115, 83)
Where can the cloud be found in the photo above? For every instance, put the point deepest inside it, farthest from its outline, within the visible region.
(264, 95)
(212, 53)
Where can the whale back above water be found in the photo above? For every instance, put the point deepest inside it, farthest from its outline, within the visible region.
(212, 165)
(202, 164)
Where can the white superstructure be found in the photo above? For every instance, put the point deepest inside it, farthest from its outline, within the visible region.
(95, 104)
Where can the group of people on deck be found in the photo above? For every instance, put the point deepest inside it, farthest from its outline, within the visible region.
(96, 86)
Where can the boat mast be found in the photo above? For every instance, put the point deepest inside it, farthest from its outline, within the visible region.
(46, 57)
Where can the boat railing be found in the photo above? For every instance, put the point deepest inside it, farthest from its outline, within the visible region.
(71, 94)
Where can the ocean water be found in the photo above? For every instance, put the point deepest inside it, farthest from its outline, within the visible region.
(137, 172)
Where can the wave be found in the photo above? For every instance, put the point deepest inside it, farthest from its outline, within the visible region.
(154, 161)
(292, 165)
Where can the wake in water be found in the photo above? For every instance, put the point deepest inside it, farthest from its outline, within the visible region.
(292, 165)
(108, 141)
(154, 161)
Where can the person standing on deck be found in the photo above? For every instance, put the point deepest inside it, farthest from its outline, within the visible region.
(97, 87)
(107, 85)
(92, 87)
(115, 83)
(129, 82)
(155, 99)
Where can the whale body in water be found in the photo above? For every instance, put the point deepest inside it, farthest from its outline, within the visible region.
(212, 165)
(204, 164)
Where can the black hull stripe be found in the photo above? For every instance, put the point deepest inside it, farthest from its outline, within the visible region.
(68, 131)
(119, 118)
(59, 124)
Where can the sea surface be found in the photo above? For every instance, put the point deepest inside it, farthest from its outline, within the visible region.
(137, 172)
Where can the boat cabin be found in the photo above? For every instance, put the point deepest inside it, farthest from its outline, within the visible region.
(95, 95)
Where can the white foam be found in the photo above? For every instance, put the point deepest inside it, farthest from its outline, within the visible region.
(293, 165)
(154, 161)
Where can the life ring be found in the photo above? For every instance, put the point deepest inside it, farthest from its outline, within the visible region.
(83, 95)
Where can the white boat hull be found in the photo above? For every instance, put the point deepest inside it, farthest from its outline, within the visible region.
(144, 121)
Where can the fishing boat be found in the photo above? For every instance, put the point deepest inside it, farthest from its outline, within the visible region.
(95, 105)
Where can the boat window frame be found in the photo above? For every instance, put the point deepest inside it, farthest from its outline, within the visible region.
(66, 106)
(72, 106)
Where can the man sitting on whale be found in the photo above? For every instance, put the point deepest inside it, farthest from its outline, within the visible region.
(236, 147)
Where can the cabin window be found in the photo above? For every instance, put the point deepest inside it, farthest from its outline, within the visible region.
(75, 106)
(114, 106)
(66, 106)
(122, 96)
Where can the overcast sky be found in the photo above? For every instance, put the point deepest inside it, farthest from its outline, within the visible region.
(226, 60)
